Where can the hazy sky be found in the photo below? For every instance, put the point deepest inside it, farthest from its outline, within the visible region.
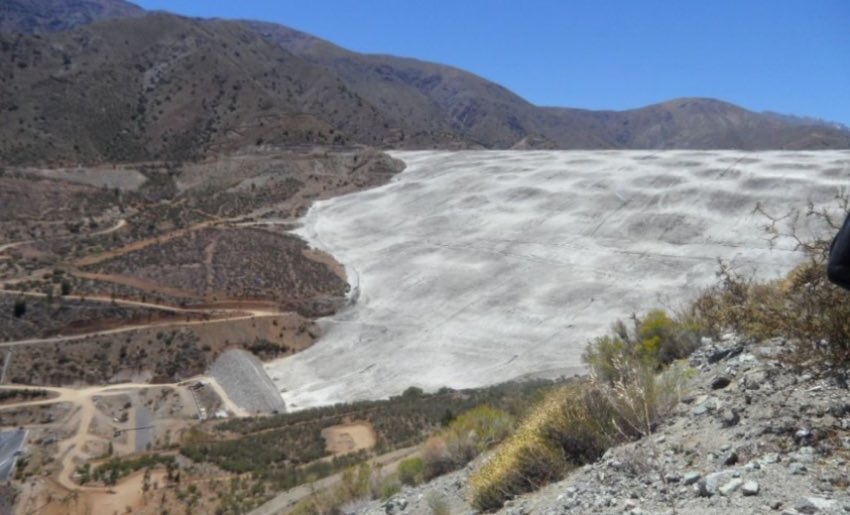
(791, 56)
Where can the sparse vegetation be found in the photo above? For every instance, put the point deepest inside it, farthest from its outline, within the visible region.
(282, 450)
(636, 379)
(114, 469)
(654, 341)
(28, 394)
(803, 306)
(410, 471)
(631, 388)
(464, 438)
(437, 504)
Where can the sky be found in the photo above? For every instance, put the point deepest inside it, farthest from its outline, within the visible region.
(788, 56)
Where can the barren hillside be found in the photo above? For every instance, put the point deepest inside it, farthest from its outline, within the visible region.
(166, 87)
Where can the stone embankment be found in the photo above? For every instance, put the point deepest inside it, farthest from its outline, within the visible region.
(242, 376)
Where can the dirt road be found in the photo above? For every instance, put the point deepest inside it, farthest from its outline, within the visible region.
(73, 448)
(230, 312)
(118, 226)
(285, 500)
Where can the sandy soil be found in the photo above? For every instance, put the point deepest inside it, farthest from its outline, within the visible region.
(128, 496)
(346, 438)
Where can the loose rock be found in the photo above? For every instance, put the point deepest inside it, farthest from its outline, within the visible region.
(750, 488)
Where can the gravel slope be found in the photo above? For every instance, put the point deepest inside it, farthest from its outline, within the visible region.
(242, 376)
(753, 437)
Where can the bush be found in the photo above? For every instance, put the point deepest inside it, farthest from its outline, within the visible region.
(437, 504)
(572, 426)
(740, 304)
(581, 422)
(641, 398)
(475, 431)
(525, 462)
(410, 471)
(467, 436)
(576, 424)
(385, 487)
(804, 306)
(355, 482)
(435, 454)
(655, 341)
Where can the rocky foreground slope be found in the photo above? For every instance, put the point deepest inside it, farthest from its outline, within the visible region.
(753, 435)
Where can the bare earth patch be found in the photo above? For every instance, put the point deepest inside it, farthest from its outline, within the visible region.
(346, 438)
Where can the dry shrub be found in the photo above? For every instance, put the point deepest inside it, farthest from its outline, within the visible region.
(580, 421)
(736, 302)
(571, 426)
(630, 391)
(355, 485)
(804, 307)
(436, 457)
(525, 462)
(470, 434)
(641, 398)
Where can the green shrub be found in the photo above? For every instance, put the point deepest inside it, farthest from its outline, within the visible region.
(655, 341)
(411, 470)
(355, 482)
(467, 436)
(385, 487)
(438, 504)
(475, 431)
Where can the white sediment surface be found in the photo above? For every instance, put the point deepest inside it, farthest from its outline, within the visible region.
(478, 267)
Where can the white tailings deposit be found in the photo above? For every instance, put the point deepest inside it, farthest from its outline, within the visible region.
(478, 267)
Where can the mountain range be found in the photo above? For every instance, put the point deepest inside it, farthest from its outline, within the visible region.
(104, 80)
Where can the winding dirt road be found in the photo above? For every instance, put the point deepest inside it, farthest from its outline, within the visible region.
(117, 227)
(85, 411)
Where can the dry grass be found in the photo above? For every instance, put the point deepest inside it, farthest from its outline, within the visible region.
(572, 425)
(631, 389)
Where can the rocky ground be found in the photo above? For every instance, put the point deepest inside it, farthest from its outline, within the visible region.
(753, 436)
